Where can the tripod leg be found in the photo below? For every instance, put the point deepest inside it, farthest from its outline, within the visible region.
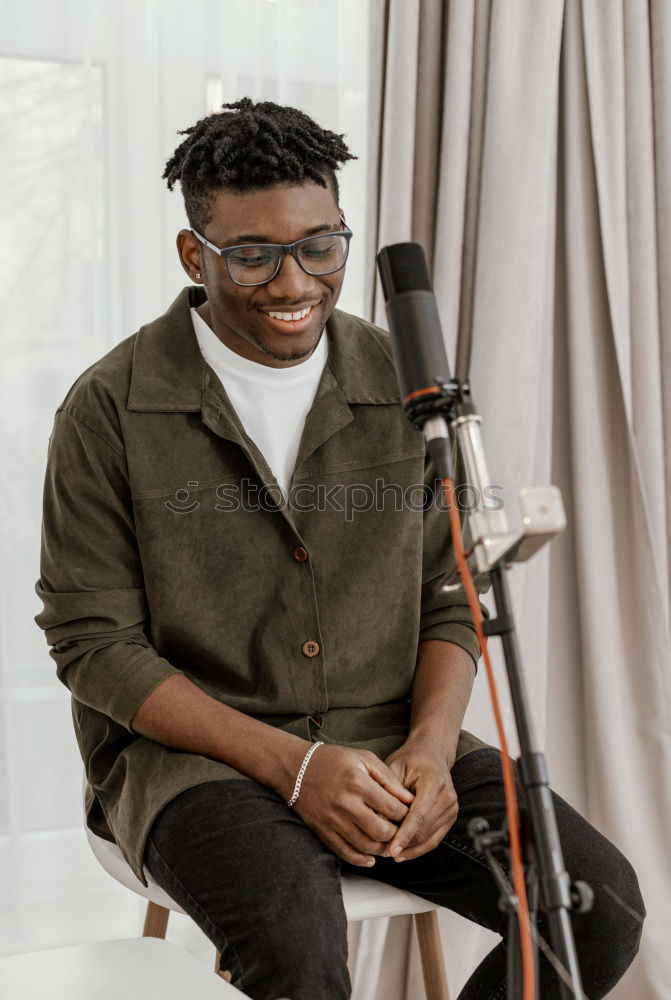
(514, 958)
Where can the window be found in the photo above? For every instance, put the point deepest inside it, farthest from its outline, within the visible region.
(92, 95)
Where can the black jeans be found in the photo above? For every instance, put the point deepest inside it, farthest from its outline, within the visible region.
(266, 891)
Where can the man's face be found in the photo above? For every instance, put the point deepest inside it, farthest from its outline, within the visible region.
(239, 315)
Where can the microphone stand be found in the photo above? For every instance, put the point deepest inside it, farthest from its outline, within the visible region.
(549, 887)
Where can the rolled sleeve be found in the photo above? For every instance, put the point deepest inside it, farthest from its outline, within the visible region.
(91, 582)
(445, 616)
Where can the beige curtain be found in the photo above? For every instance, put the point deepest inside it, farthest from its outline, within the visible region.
(616, 92)
(527, 146)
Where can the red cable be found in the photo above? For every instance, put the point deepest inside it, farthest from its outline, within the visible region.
(506, 763)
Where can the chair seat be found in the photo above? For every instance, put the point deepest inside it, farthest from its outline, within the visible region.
(363, 897)
(146, 967)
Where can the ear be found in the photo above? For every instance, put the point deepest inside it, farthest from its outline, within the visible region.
(190, 256)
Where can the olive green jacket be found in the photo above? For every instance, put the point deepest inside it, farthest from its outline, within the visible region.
(164, 553)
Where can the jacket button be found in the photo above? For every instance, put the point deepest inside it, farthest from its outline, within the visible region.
(300, 554)
(310, 648)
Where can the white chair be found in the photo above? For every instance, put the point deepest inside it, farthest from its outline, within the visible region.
(364, 899)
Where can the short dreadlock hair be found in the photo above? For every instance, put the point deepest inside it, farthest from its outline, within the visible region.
(251, 145)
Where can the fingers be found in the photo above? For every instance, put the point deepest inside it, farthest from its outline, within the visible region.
(424, 824)
(360, 841)
(417, 850)
(386, 778)
(363, 827)
(378, 798)
(353, 802)
(340, 846)
(376, 829)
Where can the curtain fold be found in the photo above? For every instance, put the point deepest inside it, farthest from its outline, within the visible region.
(463, 173)
(660, 46)
(492, 119)
(615, 269)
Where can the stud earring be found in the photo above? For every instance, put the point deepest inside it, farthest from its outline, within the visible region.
(197, 275)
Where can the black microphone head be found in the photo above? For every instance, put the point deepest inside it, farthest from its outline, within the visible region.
(403, 269)
(414, 326)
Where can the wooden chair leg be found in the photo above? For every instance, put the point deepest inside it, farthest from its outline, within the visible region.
(431, 954)
(155, 921)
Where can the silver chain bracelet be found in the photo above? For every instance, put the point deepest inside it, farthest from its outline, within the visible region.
(301, 772)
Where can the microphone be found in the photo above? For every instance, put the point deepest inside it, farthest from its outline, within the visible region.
(417, 346)
(416, 335)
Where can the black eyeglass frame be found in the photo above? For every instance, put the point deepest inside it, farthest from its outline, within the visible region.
(284, 249)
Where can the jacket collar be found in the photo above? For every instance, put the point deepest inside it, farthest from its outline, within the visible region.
(170, 374)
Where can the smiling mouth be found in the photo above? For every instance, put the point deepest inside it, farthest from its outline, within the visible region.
(289, 320)
(288, 316)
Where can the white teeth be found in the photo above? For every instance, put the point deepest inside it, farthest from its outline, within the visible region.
(288, 317)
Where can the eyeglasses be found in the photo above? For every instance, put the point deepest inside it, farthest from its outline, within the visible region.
(258, 263)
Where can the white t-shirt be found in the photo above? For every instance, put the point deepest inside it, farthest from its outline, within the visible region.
(272, 403)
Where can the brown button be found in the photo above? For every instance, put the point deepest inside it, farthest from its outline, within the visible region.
(310, 648)
(300, 554)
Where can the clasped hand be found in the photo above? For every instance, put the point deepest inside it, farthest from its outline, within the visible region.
(362, 807)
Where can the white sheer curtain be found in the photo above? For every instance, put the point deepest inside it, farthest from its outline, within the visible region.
(92, 93)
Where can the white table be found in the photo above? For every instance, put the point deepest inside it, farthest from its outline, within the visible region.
(129, 969)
